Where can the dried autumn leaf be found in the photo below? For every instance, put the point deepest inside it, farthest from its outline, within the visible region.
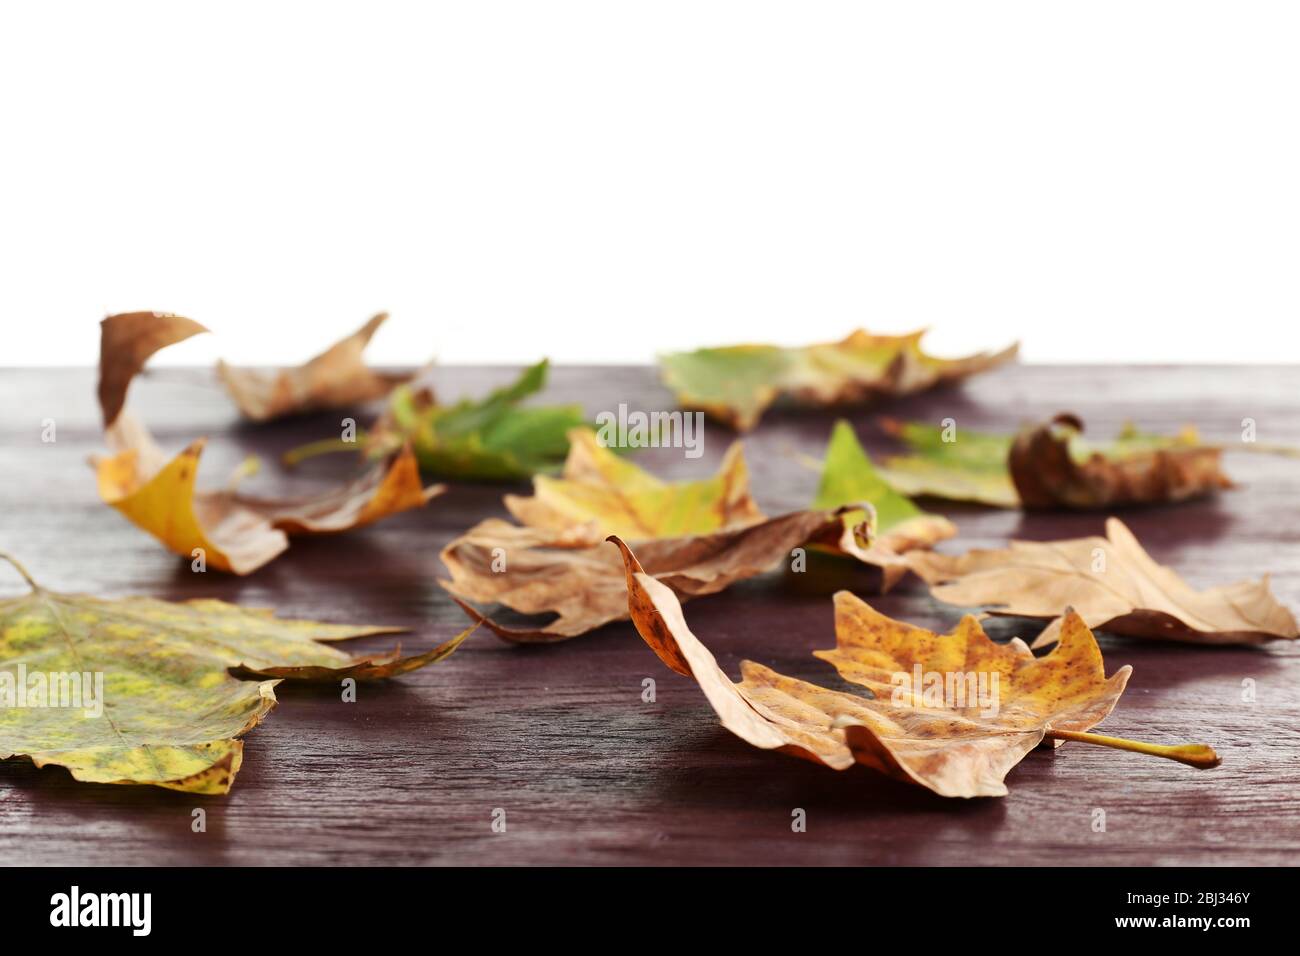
(556, 562)
(1049, 473)
(735, 384)
(232, 531)
(1051, 466)
(126, 342)
(143, 691)
(235, 532)
(847, 477)
(337, 378)
(542, 572)
(956, 747)
(536, 571)
(1113, 584)
(697, 536)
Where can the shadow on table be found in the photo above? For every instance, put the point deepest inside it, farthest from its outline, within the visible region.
(142, 820)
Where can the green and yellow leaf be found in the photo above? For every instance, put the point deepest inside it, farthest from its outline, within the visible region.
(611, 495)
(736, 384)
(972, 467)
(848, 477)
(143, 691)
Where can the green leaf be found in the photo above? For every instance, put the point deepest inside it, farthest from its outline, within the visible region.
(734, 384)
(971, 467)
(848, 476)
(492, 439)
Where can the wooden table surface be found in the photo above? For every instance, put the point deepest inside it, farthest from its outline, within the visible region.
(558, 736)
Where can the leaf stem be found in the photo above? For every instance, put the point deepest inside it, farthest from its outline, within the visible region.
(1285, 451)
(6, 556)
(1201, 756)
(326, 446)
(246, 469)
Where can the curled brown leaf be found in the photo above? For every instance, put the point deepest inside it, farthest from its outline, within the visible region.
(535, 571)
(126, 342)
(1048, 475)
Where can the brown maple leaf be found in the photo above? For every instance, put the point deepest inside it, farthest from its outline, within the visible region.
(698, 536)
(537, 571)
(995, 702)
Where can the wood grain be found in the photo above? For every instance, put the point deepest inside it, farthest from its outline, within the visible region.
(559, 737)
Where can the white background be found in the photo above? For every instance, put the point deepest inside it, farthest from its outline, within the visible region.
(1107, 181)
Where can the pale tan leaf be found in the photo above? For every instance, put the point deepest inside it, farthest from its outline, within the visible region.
(1113, 584)
(337, 378)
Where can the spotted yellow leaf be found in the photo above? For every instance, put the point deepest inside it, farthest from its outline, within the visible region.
(143, 691)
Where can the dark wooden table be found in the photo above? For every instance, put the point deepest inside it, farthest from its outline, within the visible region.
(559, 737)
